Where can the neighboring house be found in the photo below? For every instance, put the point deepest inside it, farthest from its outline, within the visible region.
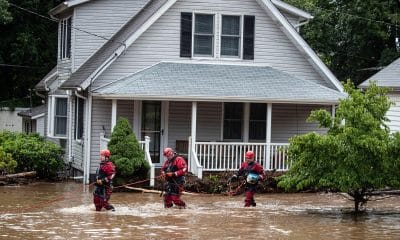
(228, 75)
(33, 120)
(9, 120)
(389, 77)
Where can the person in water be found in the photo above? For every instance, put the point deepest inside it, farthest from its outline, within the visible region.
(253, 172)
(173, 172)
(104, 176)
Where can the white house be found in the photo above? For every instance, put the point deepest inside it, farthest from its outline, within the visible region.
(389, 77)
(211, 78)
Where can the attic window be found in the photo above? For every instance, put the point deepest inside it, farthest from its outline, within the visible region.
(65, 38)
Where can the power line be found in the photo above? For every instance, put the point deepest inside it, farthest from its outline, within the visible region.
(15, 66)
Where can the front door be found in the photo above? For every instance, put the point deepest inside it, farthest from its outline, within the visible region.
(152, 125)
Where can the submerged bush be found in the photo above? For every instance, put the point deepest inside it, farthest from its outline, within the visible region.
(33, 153)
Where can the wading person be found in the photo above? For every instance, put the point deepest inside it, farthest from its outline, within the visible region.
(173, 172)
(253, 172)
(105, 174)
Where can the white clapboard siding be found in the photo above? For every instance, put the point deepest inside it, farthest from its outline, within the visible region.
(125, 110)
(103, 18)
(209, 121)
(394, 113)
(161, 42)
(101, 116)
(40, 126)
(180, 119)
(78, 151)
(290, 120)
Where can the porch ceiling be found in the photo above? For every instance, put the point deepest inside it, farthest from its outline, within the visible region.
(217, 82)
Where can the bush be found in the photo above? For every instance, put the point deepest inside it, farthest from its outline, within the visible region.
(33, 153)
(7, 163)
(126, 152)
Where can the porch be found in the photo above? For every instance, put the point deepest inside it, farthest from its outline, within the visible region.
(222, 156)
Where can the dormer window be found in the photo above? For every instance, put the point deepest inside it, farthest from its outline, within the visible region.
(65, 38)
(233, 39)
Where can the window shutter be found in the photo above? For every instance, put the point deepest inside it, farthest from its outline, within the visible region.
(248, 38)
(186, 34)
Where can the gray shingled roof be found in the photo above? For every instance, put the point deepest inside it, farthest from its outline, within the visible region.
(41, 86)
(35, 111)
(100, 56)
(387, 77)
(188, 81)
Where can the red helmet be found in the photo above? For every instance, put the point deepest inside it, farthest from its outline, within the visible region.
(168, 152)
(250, 155)
(105, 153)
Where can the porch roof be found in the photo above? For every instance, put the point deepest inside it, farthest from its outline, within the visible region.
(217, 82)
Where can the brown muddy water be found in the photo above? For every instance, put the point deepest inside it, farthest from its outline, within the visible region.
(65, 211)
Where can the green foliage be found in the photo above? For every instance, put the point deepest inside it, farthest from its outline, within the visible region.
(33, 153)
(352, 35)
(126, 152)
(356, 156)
(27, 41)
(5, 15)
(7, 163)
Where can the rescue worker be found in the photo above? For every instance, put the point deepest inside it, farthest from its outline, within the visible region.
(253, 172)
(173, 172)
(104, 176)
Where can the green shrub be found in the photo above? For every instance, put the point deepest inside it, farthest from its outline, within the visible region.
(7, 163)
(33, 153)
(126, 153)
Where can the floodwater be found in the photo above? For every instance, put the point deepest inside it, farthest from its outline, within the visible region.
(65, 211)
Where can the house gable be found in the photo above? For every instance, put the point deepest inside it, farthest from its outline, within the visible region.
(272, 46)
(161, 42)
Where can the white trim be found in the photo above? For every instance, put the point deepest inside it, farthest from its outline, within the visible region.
(113, 113)
(292, 9)
(164, 129)
(86, 171)
(210, 99)
(241, 21)
(51, 115)
(300, 43)
(214, 47)
(194, 122)
(37, 116)
(72, 3)
(137, 120)
(268, 134)
(48, 78)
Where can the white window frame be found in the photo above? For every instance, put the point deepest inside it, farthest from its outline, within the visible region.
(63, 39)
(51, 117)
(241, 28)
(214, 47)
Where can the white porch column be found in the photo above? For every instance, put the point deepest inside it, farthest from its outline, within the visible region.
(333, 111)
(113, 114)
(268, 136)
(194, 124)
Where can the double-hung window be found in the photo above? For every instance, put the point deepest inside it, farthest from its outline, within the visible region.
(203, 35)
(230, 36)
(60, 116)
(198, 36)
(65, 38)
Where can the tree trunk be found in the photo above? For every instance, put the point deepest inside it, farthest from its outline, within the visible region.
(18, 175)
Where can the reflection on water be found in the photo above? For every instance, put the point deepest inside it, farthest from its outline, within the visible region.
(65, 211)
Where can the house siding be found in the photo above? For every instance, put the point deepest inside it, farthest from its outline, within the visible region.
(40, 126)
(161, 42)
(109, 17)
(101, 118)
(394, 113)
(125, 110)
(289, 120)
(179, 122)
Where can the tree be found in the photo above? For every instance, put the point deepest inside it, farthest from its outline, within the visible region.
(352, 36)
(28, 46)
(356, 156)
(126, 152)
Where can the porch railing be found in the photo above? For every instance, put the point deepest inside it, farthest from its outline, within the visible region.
(228, 156)
(145, 146)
